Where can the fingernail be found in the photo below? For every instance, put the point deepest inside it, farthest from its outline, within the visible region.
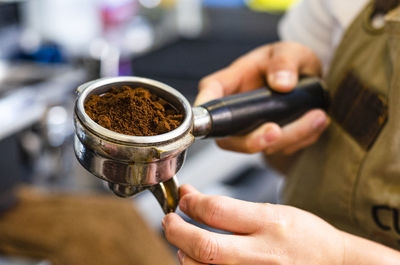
(183, 205)
(284, 78)
(181, 256)
(319, 122)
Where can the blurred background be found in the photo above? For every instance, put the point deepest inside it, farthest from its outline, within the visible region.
(49, 47)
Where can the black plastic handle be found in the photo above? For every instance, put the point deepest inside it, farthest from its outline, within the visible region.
(241, 113)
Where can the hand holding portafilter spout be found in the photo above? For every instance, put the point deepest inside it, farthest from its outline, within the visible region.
(131, 164)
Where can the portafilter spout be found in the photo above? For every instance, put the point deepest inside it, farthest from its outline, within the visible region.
(131, 164)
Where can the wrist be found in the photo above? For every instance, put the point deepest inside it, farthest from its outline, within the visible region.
(358, 250)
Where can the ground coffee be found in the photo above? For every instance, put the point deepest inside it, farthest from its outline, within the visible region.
(133, 111)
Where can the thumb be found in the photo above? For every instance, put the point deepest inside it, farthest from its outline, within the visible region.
(289, 60)
(283, 80)
(186, 189)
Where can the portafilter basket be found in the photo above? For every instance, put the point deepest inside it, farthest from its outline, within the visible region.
(131, 164)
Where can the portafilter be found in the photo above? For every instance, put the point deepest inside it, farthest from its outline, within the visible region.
(131, 164)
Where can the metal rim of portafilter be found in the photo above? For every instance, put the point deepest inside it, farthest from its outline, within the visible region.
(131, 164)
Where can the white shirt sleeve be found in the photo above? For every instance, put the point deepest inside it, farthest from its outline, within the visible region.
(319, 24)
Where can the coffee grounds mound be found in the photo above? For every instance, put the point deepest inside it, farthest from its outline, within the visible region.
(133, 111)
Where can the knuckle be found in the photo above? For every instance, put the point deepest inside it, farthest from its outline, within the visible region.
(249, 146)
(213, 209)
(264, 49)
(206, 249)
(280, 56)
(282, 60)
(292, 45)
(276, 221)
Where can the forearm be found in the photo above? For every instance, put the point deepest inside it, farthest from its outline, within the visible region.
(365, 252)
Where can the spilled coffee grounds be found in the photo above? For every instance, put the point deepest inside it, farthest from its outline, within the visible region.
(133, 111)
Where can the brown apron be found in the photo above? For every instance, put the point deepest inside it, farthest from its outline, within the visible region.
(351, 176)
(79, 230)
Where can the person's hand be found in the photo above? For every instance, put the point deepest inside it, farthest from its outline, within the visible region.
(262, 233)
(279, 65)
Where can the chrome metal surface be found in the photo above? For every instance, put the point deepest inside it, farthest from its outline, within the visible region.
(167, 194)
(125, 190)
(133, 163)
(168, 93)
(144, 168)
(202, 122)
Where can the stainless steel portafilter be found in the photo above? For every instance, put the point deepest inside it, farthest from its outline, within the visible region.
(131, 164)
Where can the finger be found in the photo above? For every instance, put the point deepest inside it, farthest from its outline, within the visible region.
(186, 260)
(309, 126)
(202, 245)
(270, 138)
(253, 142)
(307, 141)
(210, 88)
(224, 213)
(289, 60)
(281, 62)
(186, 189)
(244, 74)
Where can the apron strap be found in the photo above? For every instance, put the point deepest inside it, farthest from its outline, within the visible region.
(384, 6)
